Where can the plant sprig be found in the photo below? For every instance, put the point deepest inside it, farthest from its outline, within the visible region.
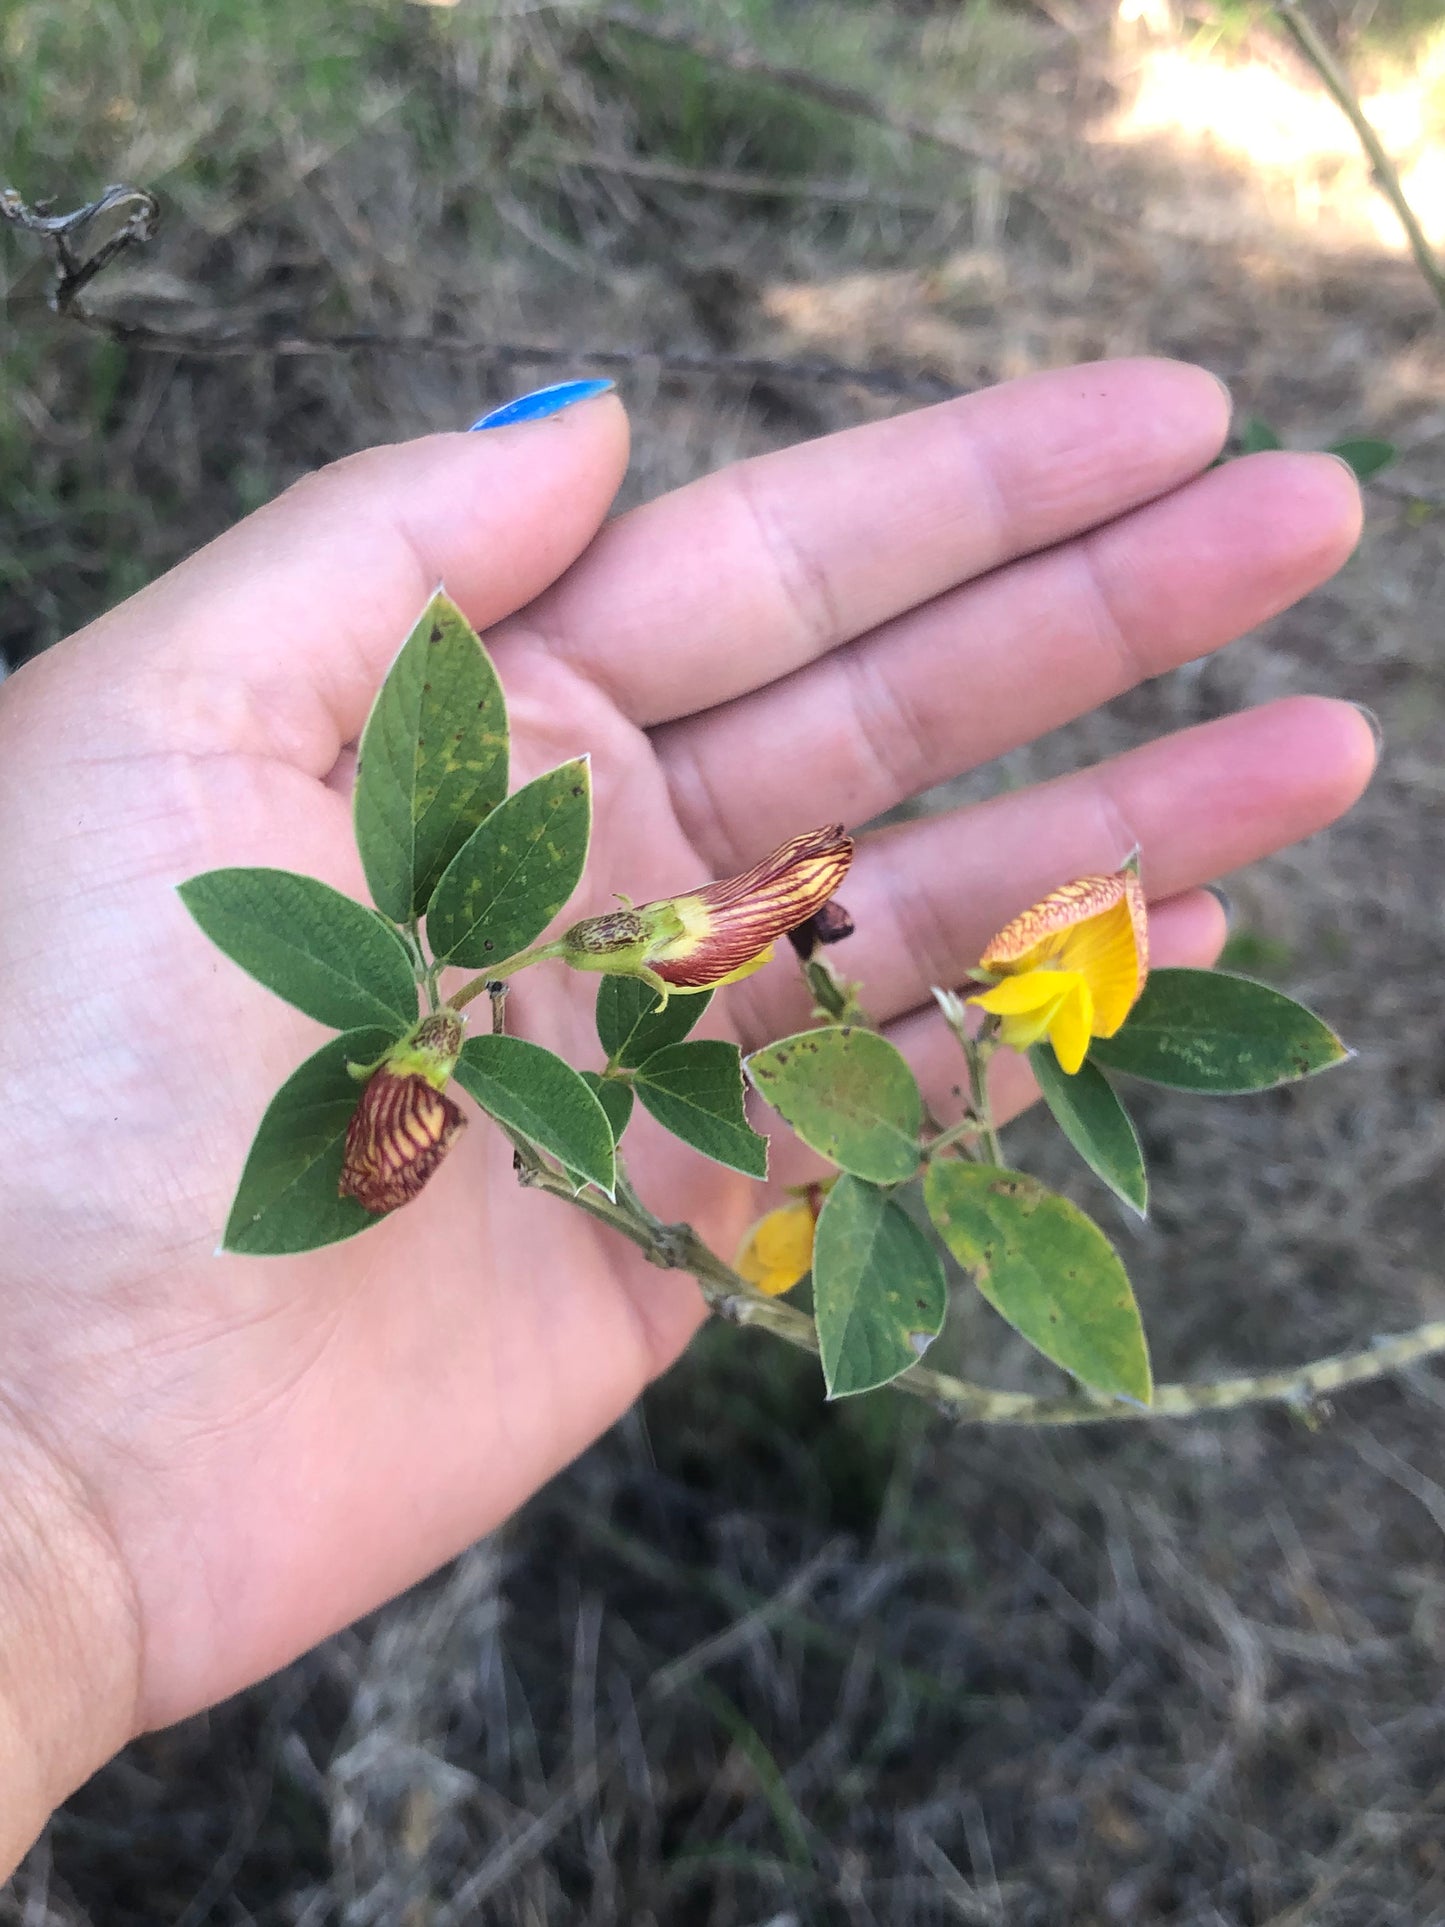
(464, 873)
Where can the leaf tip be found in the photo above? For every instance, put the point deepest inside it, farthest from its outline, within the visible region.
(1144, 1404)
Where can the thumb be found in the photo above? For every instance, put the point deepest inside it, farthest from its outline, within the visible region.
(271, 640)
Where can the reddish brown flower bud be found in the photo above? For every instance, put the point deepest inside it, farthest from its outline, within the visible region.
(721, 932)
(830, 924)
(399, 1133)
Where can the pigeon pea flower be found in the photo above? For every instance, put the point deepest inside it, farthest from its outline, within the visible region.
(1071, 968)
(405, 1123)
(778, 1252)
(719, 933)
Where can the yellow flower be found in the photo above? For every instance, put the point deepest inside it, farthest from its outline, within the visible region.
(1071, 968)
(719, 933)
(778, 1252)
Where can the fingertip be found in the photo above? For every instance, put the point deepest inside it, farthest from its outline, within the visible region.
(1189, 405)
(1188, 931)
(1335, 742)
(1319, 497)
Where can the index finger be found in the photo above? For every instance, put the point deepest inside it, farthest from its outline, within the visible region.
(753, 571)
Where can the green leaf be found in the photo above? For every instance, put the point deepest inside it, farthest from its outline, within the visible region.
(1050, 1271)
(514, 873)
(288, 1198)
(615, 1097)
(695, 1090)
(543, 1100)
(433, 759)
(632, 1025)
(1256, 437)
(1087, 1110)
(879, 1291)
(329, 955)
(850, 1097)
(1204, 1030)
(1364, 456)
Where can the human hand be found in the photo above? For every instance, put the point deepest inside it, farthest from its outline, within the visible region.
(215, 1462)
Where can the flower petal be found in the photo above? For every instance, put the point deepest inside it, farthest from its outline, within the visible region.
(399, 1133)
(1037, 934)
(1072, 1025)
(778, 1252)
(1027, 1006)
(1097, 928)
(1013, 996)
(728, 927)
(1106, 953)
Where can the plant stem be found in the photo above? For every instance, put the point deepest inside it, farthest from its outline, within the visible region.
(426, 973)
(966, 1127)
(1386, 176)
(976, 1053)
(677, 1247)
(459, 999)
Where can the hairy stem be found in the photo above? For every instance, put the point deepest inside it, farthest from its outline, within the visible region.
(677, 1247)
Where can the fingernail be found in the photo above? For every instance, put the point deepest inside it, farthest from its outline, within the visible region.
(1223, 387)
(543, 403)
(1225, 902)
(1376, 728)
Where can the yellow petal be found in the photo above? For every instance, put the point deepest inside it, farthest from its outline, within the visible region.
(1027, 1007)
(778, 1252)
(1097, 928)
(1071, 1026)
(1036, 936)
(1105, 953)
(1031, 991)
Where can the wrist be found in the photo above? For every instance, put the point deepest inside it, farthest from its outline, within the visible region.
(69, 1640)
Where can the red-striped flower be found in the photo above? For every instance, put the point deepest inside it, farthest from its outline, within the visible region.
(405, 1123)
(721, 932)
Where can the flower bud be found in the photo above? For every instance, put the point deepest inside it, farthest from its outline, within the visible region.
(405, 1123)
(720, 932)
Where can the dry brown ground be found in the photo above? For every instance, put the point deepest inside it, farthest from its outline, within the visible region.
(751, 1661)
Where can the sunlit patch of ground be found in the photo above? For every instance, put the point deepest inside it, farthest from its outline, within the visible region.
(1266, 110)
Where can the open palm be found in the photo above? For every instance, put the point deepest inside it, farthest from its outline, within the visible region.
(266, 1448)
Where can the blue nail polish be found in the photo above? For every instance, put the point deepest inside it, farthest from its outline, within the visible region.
(543, 403)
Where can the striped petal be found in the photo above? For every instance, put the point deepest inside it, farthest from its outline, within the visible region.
(729, 927)
(399, 1133)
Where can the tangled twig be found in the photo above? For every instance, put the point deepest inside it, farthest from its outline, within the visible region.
(76, 268)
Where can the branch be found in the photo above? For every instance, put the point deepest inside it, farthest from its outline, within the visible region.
(677, 1247)
(1383, 170)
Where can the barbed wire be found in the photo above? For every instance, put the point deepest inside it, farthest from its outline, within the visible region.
(76, 269)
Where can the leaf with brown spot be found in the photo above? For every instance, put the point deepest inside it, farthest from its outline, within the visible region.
(1047, 1268)
(433, 759)
(515, 872)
